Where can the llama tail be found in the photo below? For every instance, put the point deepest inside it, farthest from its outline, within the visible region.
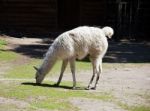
(108, 31)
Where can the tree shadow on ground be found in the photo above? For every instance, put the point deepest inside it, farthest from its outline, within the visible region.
(128, 52)
(118, 52)
(34, 50)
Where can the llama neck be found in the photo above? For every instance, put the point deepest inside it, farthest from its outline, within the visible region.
(48, 63)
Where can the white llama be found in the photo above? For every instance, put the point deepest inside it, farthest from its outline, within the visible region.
(76, 44)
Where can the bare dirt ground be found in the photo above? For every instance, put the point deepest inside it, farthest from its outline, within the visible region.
(129, 84)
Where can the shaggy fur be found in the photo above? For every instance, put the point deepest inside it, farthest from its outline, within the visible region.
(76, 44)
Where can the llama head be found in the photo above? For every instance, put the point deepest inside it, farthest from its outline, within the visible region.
(38, 76)
(108, 31)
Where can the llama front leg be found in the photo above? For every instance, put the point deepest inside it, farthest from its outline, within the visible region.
(63, 67)
(72, 66)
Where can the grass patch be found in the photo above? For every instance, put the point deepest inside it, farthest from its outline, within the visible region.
(83, 65)
(53, 103)
(7, 55)
(139, 108)
(45, 97)
(23, 71)
(2, 43)
(132, 108)
(22, 91)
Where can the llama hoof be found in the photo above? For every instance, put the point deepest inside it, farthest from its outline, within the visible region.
(74, 88)
(88, 88)
(93, 88)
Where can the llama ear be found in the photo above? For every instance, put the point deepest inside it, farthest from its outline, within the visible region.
(36, 68)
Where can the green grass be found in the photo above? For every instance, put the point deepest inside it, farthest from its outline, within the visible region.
(52, 98)
(136, 108)
(54, 104)
(139, 108)
(23, 71)
(46, 97)
(83, 65)
(26, 89)
(2, 43)
(131, 108)
(8, 55)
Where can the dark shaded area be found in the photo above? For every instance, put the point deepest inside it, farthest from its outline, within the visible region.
(52, 86)
(118, 52)
(33, 51)
(129, 18)
(20, 34)
(128, 52)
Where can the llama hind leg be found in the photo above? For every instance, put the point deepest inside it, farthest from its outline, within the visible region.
(94, 72)
(63, 67)
(99, 71)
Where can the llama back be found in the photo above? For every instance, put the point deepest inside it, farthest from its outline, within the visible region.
(88, 40)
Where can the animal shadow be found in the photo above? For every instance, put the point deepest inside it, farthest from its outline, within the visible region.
(53, 86)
